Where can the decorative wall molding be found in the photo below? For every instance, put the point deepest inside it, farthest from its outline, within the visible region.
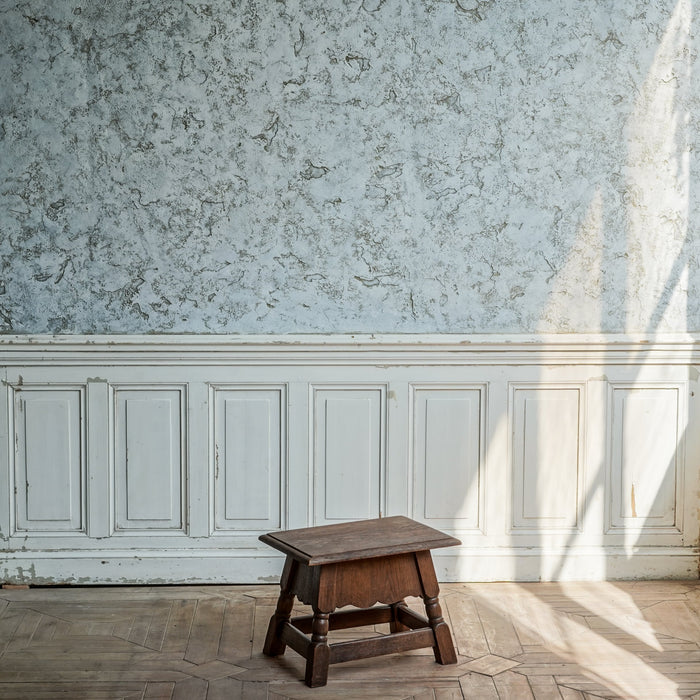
(352, 349)
(152, 459)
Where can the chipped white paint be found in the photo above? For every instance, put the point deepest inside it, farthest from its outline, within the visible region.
(374, 166)
(358, 166)
(528, 449)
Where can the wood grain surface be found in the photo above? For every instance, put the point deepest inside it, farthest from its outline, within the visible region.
(566, 641)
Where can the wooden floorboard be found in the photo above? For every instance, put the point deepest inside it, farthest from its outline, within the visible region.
(578, 641)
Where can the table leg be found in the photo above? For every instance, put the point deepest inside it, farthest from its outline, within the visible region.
(319, 653)
(395, 625)
(274, 646)
(444, 649)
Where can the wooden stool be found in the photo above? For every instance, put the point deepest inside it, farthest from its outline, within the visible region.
(359, 564)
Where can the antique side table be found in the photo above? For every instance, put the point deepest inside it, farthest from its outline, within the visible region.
(358, 564)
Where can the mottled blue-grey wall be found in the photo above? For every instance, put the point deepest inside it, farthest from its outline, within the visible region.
(287, 166)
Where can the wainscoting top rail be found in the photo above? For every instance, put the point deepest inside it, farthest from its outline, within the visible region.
(351, 349)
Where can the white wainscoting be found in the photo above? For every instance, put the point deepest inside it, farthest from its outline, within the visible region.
(161, 459)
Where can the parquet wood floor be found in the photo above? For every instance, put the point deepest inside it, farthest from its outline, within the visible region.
(566, 641)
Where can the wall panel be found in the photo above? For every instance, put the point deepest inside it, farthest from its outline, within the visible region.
(646, 456)
(50, 459)
(348, 453)
(248, 442)
(448, 456)
(149, 458)
(546, 449)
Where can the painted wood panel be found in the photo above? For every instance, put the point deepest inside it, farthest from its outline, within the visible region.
(646, 454)
(557, 436)
(348, 453)
(149, 459)
(50, 459)
(546, 457)
(447, 456)
(248, 458)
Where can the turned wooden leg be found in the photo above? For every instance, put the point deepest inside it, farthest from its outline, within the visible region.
(273, 644)
(444, 649)
(395, 625)
(319, 653)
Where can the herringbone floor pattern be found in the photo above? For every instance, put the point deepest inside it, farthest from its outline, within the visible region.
(535, 641)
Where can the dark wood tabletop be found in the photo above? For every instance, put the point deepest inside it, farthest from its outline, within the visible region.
(363, 539)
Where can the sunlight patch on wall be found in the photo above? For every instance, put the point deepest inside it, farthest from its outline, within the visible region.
(576, 300)
(658, 184)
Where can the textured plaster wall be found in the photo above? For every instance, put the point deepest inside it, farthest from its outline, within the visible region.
(362, 165)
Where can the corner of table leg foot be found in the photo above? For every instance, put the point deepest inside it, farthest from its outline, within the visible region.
(317, 664)
(273, 645)
(444, 648)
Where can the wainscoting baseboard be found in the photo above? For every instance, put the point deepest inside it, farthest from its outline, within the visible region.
(154, 459)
